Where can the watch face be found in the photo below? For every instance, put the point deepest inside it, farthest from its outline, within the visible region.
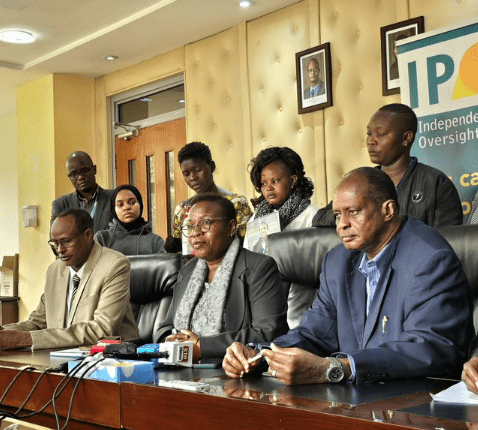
(335, 374)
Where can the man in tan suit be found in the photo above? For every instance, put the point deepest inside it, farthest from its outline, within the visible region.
(86, 292)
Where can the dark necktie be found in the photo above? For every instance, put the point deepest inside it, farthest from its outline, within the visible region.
(76, 282)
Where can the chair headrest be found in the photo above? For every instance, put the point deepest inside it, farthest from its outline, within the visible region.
(153, 276)
(299, 253)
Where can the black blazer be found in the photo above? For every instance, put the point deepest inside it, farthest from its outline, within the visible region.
(70, 201)
(256, 304)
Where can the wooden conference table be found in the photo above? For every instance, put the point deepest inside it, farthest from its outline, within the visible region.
(251, 403)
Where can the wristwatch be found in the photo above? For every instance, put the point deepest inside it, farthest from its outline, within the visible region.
(335, 372)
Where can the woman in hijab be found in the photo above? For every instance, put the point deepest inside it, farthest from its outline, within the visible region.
(129, 233)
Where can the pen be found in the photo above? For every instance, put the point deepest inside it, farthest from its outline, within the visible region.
(256, 357)
(384, 323)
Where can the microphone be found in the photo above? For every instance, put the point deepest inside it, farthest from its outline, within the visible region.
(167, 353)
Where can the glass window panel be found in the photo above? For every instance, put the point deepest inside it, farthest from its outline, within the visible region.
(152, 105)
(170, 187)
(132, 172)
(150, 175)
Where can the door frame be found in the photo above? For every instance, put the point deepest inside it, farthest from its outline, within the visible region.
(136, 93)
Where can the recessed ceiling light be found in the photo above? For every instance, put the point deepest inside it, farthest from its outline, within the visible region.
(111, 57)
(145, 99)
(182, 101)
(16, 36)
(245, 3)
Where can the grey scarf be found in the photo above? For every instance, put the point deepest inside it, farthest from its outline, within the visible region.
(202, 306)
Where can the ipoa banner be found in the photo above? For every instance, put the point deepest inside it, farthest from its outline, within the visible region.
(439, 81)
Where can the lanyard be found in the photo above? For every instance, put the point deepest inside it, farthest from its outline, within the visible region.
(93, 209)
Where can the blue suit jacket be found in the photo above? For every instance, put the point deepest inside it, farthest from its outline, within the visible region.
(424, 295)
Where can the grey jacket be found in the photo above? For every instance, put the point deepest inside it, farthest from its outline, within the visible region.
(70, 201)
(134, 242)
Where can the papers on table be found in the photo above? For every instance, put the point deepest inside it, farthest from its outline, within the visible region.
(457, 393)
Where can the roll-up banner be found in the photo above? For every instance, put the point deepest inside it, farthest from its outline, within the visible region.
(439, 81)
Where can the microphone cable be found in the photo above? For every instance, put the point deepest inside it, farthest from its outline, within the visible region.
(70, 406)
(66, 378)
(58, 368)
(14, 380)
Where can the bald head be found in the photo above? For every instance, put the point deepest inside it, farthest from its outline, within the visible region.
(79, 155)
(313, 71)
(82, 172)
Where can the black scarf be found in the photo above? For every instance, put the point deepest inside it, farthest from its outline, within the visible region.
(289, 210)
(138, 222)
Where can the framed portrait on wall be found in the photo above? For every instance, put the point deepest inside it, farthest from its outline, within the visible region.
(390, 34)
(314, 74)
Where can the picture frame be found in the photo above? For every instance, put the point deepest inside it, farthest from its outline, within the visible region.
(312, 97)
(389, 35)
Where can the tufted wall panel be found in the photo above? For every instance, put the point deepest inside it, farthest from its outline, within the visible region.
(353, 28)
(217, 108)
(442, 13)
(241, 85)
(272, 42)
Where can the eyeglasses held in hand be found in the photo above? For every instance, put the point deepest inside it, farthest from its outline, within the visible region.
(203, 226)
(85, 171)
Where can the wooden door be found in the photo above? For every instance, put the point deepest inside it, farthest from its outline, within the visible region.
(149, 162)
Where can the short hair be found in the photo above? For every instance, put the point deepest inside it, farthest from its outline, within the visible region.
(196, 150)
(290, 159)
(83, 220)
(407, 117)
(227, 207)
(381, 187)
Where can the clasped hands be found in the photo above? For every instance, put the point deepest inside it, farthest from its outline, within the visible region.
(291, 366)
(12, 339)
(187, 335)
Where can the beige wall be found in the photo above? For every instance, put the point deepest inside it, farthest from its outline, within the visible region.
(55, 116)
(9, 215)
(240, 97)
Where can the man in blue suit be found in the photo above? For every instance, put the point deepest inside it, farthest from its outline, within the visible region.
(393, 300)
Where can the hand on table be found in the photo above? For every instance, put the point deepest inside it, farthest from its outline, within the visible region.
(235, 362)
(470, 374)
(12, 339)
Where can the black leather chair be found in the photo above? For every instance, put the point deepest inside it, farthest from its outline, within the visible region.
(151, 288)
(299, 255)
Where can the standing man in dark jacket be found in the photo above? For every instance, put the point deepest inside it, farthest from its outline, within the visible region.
(88, 195)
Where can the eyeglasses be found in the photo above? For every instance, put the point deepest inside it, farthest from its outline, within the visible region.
(85, 171)
(203, 226)
(66, 243)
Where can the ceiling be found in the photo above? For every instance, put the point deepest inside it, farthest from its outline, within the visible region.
(75, 36)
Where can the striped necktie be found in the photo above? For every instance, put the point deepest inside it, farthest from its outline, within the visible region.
(76, 282)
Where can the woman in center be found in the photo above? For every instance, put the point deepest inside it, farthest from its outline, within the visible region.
(225, 293)
(277, 173)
